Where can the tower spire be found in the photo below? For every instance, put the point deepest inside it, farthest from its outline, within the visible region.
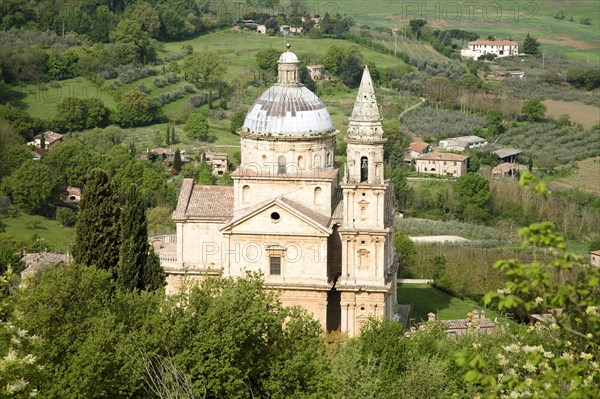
(365, 119)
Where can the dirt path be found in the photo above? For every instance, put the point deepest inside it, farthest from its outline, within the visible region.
(438, 239)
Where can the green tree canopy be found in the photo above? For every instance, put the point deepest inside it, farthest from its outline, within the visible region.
(97, 235)
(474, 196)
(34, 186)
(531, 45)
(81, 113)
(196, 127)
(237, 121)
(13, 153)
(534, 110)
(73, 161)
(137, 108)
(266, 59)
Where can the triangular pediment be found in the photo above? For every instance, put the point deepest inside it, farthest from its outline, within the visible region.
(276, 216)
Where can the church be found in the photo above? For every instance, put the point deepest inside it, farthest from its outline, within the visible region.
(322, 235)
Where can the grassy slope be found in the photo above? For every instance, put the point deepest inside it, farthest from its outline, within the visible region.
(427, 299)
(51, 233)
(575, 40)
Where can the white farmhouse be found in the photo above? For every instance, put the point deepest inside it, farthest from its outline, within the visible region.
(502, 48)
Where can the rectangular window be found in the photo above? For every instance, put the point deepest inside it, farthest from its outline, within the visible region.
(275, 265)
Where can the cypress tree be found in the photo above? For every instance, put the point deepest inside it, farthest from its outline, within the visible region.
(168, 137)
(43, 141)
(153, 277)
(177, 161)
(173, 140)
(97, 236)
(134, 242)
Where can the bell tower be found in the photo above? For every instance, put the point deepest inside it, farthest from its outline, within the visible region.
(367, 283)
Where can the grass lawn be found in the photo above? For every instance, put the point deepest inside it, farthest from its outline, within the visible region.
(505, 20)
(52, 235)
(426, 298)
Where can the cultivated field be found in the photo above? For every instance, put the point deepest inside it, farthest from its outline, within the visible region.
(506, 20)
(586, 115)
(586, 177)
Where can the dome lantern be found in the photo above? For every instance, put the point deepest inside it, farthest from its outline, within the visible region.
(288, 71)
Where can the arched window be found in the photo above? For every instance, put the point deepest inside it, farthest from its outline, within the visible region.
(317, 197)
(316, 161)
(245, 194)
(281, 165)
(300, 162)
(364, 169)
(328, 159)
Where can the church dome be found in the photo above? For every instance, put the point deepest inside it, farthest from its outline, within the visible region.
(288, 108)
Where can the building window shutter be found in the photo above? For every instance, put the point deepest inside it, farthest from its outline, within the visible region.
(275, 265)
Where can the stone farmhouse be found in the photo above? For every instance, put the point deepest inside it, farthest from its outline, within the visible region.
(442, 164)
(595, 258)
(50, 138)
(415, 150)
(324, 241)
(217, 161)
(475, 323)
(501, 48)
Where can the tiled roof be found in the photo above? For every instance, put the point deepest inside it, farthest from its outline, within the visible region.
(418, 146)
(597, 253)
(494, 43)
(504, 168)
(205, 202)
(507, 152)
(468, 323)
(442, 156)
(315, 216)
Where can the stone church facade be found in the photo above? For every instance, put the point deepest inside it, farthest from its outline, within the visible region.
(322, 237)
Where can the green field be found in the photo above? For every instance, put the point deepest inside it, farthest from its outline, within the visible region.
(426, 298)
(38, 232)
(505, 20)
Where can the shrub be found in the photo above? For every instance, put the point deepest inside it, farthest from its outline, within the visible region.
(66, 216)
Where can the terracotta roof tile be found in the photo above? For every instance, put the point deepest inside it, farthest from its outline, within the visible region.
(466, 323)
(206, 202)
(442, 156)
(315, 216)
(418, 146)
(494, 43)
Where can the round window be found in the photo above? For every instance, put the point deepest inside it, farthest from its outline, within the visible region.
(275, 217)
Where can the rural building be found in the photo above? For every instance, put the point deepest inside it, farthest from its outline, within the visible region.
(317, 72)
(72, 195)
(475, 323)
(504, 169)
(595, 258)
(325, 242)
(217, 161)
(510, 74)
(501, 48)
(33, 262)
(508, 154)
(462, 143)
(50, 138)
(284, 29)
(415, 150)
(261, 29)
(442, 163)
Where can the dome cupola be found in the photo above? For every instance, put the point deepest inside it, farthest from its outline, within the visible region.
(288, 108)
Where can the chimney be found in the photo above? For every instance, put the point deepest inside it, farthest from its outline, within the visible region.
(475, 314)
(430, 316)
(482, 314)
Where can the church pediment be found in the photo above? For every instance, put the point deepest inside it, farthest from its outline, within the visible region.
(280, 216)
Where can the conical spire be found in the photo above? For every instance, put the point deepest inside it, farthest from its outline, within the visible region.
(365, 119)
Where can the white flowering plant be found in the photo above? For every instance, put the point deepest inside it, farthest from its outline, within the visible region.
(564, 362)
